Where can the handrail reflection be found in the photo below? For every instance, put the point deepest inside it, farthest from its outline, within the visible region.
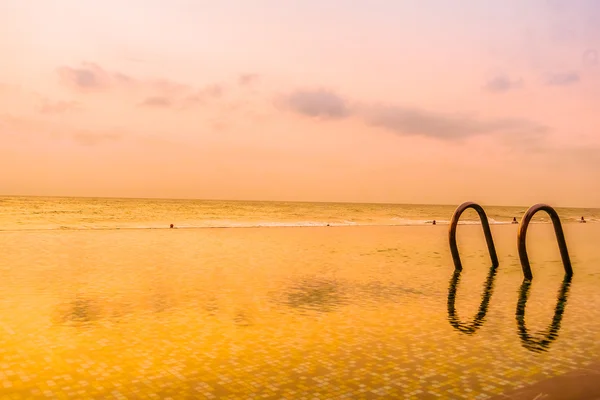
(486, 231)
(560, 238)
(551, 333)
(472, 327)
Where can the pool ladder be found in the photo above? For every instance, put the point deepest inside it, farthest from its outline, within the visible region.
(527, 340)
(489, 284)
(521, 237)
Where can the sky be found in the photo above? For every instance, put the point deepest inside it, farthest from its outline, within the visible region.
(429, 101)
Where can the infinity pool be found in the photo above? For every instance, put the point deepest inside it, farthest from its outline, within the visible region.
(336, 312)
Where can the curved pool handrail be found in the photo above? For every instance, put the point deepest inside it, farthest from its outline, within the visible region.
(560, 238)
(486, 231)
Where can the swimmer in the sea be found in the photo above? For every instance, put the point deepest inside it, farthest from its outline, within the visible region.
(433, 223)
(583, 221)
(514, 221)
(171, 226)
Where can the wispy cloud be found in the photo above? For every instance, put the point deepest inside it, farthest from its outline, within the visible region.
(248, 79)
(563, 79)
(90, 77)
(157, 101)
(319, 103)
(406, 121)
(502, 83)
(413, 121)
(189, 99)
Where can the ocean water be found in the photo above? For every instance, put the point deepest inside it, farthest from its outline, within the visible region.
(20, 213)
(92, 305)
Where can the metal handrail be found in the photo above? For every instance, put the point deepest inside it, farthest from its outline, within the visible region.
(560, 238)
(551, 333)
(486, 231)
(471, 328)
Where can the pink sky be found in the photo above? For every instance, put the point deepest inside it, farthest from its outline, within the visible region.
(381, 101)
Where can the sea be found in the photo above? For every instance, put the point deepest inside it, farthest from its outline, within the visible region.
(101, 299)
(47, 213)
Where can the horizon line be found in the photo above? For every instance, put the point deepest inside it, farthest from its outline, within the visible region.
(270, 201)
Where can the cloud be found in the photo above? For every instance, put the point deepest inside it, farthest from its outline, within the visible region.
(248, 79)
(562, 79)
(209, 92)
(412, 121)
(57, 107)
(406, 121)
(502, 83)
(88, 77)
(318, 103)
(157, 101)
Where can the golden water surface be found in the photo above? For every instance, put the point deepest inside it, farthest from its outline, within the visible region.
(328, 312)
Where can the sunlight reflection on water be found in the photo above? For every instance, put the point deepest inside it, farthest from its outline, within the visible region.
(280, 312)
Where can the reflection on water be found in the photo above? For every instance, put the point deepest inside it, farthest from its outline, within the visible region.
(551, 333)
(211, 306)
(316, 294)
(242, 318)
(329, 295)
(160, 302)
(479, 319)
(378, 292)
(80, 311)
(245, 316)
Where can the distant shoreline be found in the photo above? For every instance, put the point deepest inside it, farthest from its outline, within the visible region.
(190, 199)
(188, 228)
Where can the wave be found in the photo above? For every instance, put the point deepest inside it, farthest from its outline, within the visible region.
(263, 224)
(400, 221)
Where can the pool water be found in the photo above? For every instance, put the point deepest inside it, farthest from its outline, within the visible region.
(327, 312)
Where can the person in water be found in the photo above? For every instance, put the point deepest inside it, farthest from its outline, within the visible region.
(583, 221)
(514, 221)
(433, 223)
(171, 226)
